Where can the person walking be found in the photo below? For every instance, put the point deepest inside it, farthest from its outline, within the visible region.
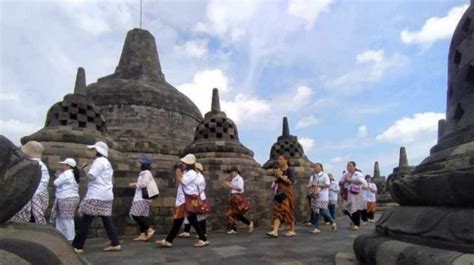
(98, 200)
(34, 210)
(320, 199)
(354, 204)
(67, 198)
(283, 205)
(238, 204)
(186, 177)
(140, 209)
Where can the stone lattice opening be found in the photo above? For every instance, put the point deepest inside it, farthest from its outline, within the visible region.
(457, 57)
(458, 113)
(470, 74)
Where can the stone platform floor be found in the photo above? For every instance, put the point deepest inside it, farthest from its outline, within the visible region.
(243, 248)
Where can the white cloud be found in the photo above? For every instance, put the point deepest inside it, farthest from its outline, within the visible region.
(245, 108)
(434, 29)
(228, 20)
(303, 96)
(307, 121)
(371, 66)
(308, 10)
(420, 127)
(15, 129)
(194, 48)
(200, 89)
(307, 143)
(362, 131)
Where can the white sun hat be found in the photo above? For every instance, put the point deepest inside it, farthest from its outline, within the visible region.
(189, 159)
(101, 148)
(33, 149)
(69, 161)
(199, 167)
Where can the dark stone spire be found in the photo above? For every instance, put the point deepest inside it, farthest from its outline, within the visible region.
(286, 128)
(80, 85)
(139, 59)
(216, 106)
(403, 166)
(376, 170)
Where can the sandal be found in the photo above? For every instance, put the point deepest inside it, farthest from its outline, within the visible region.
(163, 243)
(141, 237)
(271, 234)
(201, 244)
(290, 234)
(184, 235)
(112, 248)
(149, 234)
(251, 227)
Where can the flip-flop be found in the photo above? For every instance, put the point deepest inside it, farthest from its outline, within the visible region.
(271, 234)
(290, 234)
(164, 244)
(201, 244)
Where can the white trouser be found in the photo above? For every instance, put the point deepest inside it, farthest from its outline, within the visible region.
(66, 227)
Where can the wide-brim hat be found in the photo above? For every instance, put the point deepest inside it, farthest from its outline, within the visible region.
(69, 161)
(101, 148)
(33, 149)
(199, 167)
(188, 159)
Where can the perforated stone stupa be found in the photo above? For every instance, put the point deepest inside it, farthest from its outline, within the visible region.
(216, 145)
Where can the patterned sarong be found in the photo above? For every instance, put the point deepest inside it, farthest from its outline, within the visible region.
(64, 208)
(180, 212)
(354, 203)
(95, 207)
(140, 208)
(285, 210)
(238, 205)
(371, 207)
(317, 204)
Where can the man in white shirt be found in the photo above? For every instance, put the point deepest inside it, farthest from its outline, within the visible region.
(239, 205)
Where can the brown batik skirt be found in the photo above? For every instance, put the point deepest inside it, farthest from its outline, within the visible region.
(238, 205)
(285, 211)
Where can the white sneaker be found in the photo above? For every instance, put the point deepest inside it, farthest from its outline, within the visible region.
(231, 232)
(316, 231)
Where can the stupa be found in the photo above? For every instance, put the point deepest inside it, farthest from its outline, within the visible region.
(217, 146)
(434, 223)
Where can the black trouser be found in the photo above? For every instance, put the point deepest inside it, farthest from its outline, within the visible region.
(371, 215)
(177, 225)
(355, 217)
(363, 215)
(202, 224)
(84, 225)
(142, 222)
(241, 218)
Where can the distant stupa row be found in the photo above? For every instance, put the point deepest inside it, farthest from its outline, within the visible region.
(135, 111)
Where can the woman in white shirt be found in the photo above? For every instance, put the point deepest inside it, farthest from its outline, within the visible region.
(371, 199)
(34, 210)
(67, 198)
(98, 200)
(201, 218)
(320, 198)
(239, 205)
(186, 177)
(140, 206)
(333, 196)
(355, 198)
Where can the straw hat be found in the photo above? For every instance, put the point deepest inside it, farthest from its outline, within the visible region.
(101, 148)
(33, 149)
(199, 167)
(189, 159)
(69, 161)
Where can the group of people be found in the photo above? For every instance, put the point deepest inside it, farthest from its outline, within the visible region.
(191, 207)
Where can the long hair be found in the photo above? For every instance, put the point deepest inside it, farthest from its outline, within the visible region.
(77, 174)
(190, 167)
(145, 167)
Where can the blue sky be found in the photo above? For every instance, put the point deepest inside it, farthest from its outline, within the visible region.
(357, 79)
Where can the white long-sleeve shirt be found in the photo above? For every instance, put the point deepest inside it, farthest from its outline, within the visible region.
(100, 186)
(43, 185)
(237, 182)
(333, 191)
(66, 185)
(371, 192)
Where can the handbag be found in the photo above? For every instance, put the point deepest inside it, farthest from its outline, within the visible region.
(354, 189)
(279, 197)
(194, 203)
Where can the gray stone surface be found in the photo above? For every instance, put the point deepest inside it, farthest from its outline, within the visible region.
(19, 178)
(37, 244)
(8, 258)
(242, 248)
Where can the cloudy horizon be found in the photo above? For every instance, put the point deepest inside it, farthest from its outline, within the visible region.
(356, 80)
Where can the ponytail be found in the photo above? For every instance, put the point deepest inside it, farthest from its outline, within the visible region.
(77, 174)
